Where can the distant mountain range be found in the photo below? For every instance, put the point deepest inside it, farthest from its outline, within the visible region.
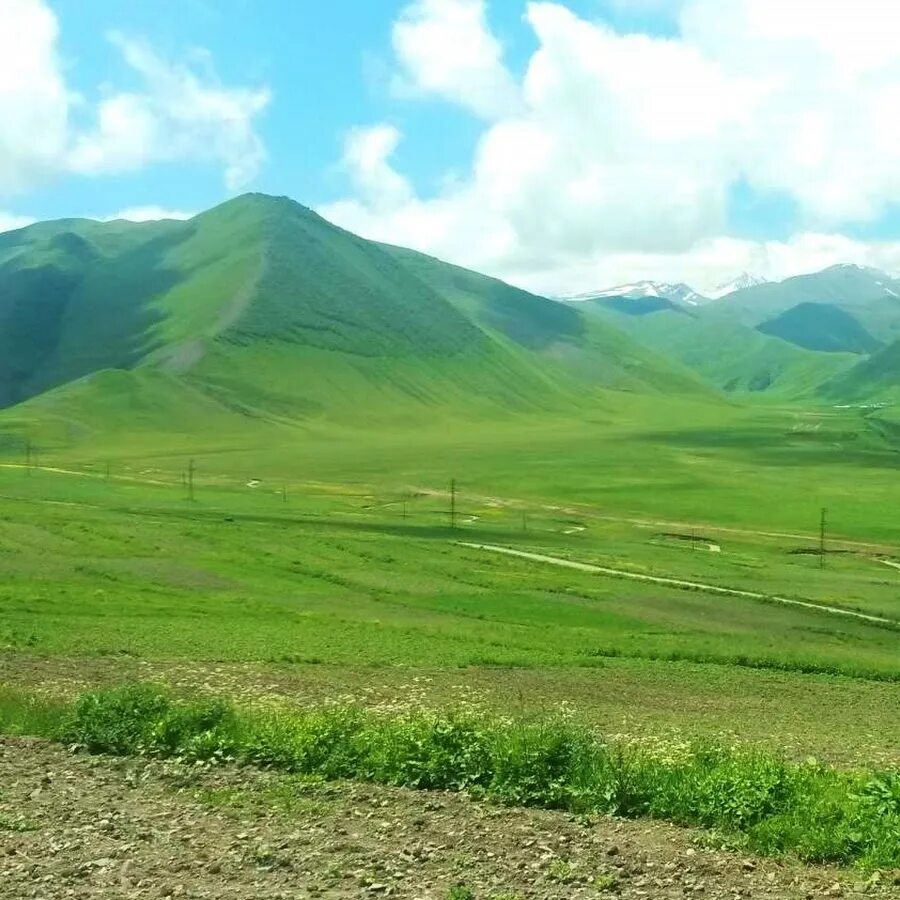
(262, 312)
(676, 292)
(793, 336)
(639, 290)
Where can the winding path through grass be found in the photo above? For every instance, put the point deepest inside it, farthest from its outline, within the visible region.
(676, 582)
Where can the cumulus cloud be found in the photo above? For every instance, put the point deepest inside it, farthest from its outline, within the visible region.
(34, 101)
(620, 151)
(10, 221)
(179, 113)
(148, 214)
(444, 47)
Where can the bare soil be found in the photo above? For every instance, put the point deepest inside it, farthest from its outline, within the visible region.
(76, 826)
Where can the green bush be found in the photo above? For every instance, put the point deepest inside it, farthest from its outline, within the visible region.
(143, 719)
(771, 806)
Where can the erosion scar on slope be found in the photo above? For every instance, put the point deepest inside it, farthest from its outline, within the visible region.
(676, 582)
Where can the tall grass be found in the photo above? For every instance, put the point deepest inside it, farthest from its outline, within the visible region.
(763, 803)
(24, 713)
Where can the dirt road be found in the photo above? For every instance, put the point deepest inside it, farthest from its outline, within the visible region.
(676, 582)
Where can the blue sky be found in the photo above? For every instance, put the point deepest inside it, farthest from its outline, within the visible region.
(328, 65)
(348, 108)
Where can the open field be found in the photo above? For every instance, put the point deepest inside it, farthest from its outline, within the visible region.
(276, 562)
(309, 569)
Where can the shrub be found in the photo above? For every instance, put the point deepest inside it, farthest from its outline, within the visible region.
(144, 719)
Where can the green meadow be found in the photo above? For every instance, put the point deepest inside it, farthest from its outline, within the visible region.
(254, 457)
(327, 553)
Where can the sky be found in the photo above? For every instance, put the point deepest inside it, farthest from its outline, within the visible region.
(563, 146)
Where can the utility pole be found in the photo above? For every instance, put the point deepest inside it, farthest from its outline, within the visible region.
(284, 493)
(107, 471)
(822, 525)
(190, 480)
(453, 503)
(404, 508)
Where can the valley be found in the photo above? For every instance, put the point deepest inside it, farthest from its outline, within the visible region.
(263, 460)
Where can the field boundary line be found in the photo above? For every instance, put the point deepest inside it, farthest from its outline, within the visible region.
(676, 582)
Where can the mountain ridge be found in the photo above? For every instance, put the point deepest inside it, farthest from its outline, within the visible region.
(268, 310)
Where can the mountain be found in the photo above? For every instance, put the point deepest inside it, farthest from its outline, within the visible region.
(821, 326)
(676, 293)
(874, 379)
(741, 282)
(261, 308)
(872, 297)
(727, 355)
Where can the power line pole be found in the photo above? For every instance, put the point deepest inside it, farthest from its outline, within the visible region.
(190, 480)
(822, 525)
(284, 493)
(453, 503)
(107, 471)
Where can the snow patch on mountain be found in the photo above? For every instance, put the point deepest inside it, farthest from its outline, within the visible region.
(740, 283)
(677, 293)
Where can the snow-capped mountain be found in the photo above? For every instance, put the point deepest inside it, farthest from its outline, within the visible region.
(744, 280)
(677, 293)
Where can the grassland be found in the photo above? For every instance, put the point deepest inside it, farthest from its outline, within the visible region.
(321, 566)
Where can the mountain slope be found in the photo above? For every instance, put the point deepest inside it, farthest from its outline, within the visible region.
(263, 309)
(728, 355)
(870, 296)
(874, 379)
(821, 326)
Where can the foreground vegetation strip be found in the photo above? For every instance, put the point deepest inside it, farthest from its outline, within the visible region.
(674, 582)
(752, 799)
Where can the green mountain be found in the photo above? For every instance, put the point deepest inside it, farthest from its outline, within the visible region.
(870, 296)
(874, 379)
(259, 307)
(821, 326)
(726, 354)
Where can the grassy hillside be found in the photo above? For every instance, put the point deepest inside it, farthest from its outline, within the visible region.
(821, 326)
(728, 355)
(260, 308)
(875, 378)
(870, 296)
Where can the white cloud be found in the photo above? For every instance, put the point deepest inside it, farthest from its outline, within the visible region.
(148, 214)
(178, 114)
(367, 152)
(34, 102)
(445, 48)
(10, 221)
(618, 157)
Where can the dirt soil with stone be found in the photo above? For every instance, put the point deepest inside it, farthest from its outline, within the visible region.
(80, 826)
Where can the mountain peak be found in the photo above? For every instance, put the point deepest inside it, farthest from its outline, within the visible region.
(741, 282)
(640, 290)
